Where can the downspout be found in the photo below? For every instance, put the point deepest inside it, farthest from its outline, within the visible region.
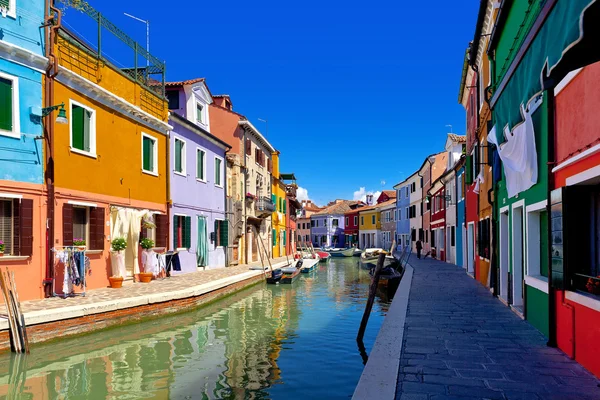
(245, 222)
(51, 72)
(168, 186)
(226, 208)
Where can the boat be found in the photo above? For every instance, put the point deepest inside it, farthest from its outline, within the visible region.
(357, 252)
(389, 275)
(370, 256)
(308, 265)
(275, 276)
(323, 255)
(291, 272)
(341, 252)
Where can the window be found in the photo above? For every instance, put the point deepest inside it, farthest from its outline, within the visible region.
(407, 213)
(149, 154)
(433, 237)
(83, 222)
(460, 186)
(362, 220)
(325, 222)
(10, 7)
(356, 220)
(452, 236)
(221, 233)
(182, 232)
(179, 156)
(80, 223)
(312, 223)
(199, 113)
(372, 219)
(173, 98)
(16, 226)
(9, 98)
(426, 236)
(483, 238)
(421, 206)
(83, 129)
(334, 222)
(347, 221)
(218, 171)
(201, 165)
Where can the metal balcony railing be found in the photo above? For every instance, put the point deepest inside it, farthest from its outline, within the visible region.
(264, 204)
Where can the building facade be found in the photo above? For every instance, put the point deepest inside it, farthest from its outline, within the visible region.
(327, 225)
(387, 232)
(369, 224)
(402, 212)
(279, 234)
(308, 208)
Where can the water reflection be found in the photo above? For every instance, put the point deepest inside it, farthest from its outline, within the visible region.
(288, 341)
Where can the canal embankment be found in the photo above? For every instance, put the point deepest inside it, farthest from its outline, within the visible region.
(53, 318)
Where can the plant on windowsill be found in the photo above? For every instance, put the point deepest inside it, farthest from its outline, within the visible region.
(593, 285)
(1, 248)
(250, 196)
(148, 262)
(148, 221)
(79, 243)
(117, 259)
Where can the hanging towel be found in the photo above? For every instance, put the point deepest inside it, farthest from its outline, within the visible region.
(518, 153)
(202, 245)
(79, 257)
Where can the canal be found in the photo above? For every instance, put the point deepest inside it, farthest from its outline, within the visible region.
(265, 342)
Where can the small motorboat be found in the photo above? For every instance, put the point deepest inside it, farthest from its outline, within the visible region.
(370, 256)
(389, 275)
(275, 276)
(357, 252)
(323, 255)
(291, 272)
(341, 252)
(308, 265)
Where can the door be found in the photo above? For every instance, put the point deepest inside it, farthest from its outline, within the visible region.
(517, 234)
(471, 248)
(504, 255)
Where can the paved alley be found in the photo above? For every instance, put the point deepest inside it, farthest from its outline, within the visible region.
(462, 343)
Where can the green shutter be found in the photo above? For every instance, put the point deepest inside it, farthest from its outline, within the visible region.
(151, 145)
(224, 233)
(77, 127)
(198, 113)
(469, 170)
(87, 126)
(175, 231)
(284, 237)
(274, 199)
(178, 144)
(6, 110)
(284, 206)
(187, 232)
(274, 237)
(200, 166)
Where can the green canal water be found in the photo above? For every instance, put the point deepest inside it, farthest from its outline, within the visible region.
(266, 342)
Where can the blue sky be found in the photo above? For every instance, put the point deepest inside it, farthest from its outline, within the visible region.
(355, 94)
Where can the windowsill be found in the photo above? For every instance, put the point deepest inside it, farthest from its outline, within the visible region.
(180, 174)
(150, 172)
(13, 258)
(584, 299)
(538, 282)
(219, 186)
(182, 249)
(94, 252)
(83, 153)
(200, 180)
(10, 134)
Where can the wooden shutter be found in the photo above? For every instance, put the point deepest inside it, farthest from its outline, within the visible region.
(162, 230)
(187, 232)
(224, 233)
(284, 205)
(178, 158)
(96, 228)
(469, 170)
(6, 111)
(274, 237)
(284, 237)
(269, 165)
(77, 127)
(16, 226)
(67, 225)
(248, 147)
(176, 232)
(146, 156)
(26, 227)
(274, 199)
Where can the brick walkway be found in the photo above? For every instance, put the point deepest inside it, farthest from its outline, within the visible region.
(462, 343)
(172, 284)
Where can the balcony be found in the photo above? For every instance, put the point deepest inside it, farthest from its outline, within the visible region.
(291, 190)
(264, 207)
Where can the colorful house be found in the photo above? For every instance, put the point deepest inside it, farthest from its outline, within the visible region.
(200, 230)
(278, 218)
(293, 209)
(461, 229)
(402, 213)
(433, 167)
(22, 200)
(351, 226)
(369, 224)
(416, 207)
(108, 165)
(327, 225)
(436, 197)
(387, 211)
(308, 208)
(455, 145)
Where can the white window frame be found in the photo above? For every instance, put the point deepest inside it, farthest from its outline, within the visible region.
(203, 164)
(12, 10)
(10, 251)
(183, 157)
(203, 113)
(184, 216)
(87, 223)
(154, 171)
(92, 152)
(222, 171)
(16, 115)
(217, 219)
(532, 246)
(347, 221)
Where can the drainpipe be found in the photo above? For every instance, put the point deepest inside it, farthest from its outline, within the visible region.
(52, 27)
(168, 186)
(226, 208)
(550, 164)
(245, 216)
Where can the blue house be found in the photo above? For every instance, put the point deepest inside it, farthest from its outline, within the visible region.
(22, 63)
(461, 227)
(402, 215)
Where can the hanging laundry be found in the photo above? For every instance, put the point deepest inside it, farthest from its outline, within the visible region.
(518, 153)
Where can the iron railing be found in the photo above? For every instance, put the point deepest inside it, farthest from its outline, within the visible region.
(264, 204)
(151, 75)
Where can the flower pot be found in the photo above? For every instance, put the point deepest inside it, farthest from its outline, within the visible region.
(116, 282)
(117, 260)
(1, 254)
(145, 277)
(81, 248)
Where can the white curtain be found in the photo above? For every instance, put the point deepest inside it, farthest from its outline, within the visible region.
(126, 223)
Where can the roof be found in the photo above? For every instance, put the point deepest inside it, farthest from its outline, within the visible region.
(221, 95)
(339, 208)
(248, 127)
(193, 127)
(457, 138)
(387, 203)
(478, 27)
(390, 193)
(287, 177)
(369, 208)
(463, 79)
(188, 82)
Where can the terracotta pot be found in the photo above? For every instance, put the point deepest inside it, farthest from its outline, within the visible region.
(2, 254)
(116, 282)
(145, 277)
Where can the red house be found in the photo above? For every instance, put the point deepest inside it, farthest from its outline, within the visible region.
(437, 202)
(351, 224)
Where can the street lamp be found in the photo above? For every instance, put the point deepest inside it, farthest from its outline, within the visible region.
(147, 35)
(62, 114)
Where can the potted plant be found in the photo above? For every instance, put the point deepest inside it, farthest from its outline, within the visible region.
(117, 258)
(1, 248)
(147, 245)
(250, 196)
(80, 243)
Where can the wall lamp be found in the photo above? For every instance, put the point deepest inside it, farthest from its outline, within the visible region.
(62, 113)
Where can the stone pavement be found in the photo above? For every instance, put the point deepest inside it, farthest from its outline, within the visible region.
(462, 343)
(172, 284)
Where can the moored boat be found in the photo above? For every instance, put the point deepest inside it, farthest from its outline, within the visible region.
(323, 255)
(275, 276)
(370, 256)
(357, 252)
(290, 273)
(341, 252)
(309, 265)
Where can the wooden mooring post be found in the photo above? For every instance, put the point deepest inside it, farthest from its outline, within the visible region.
(371, 299)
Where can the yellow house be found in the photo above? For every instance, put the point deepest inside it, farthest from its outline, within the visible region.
(110, 170)
(279, 234)
(369, 222)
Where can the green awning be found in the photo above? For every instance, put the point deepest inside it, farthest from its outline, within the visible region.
(555, 50)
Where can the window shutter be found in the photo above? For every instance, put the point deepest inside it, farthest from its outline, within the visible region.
(175, 231)
(284, 237)
(6, 111)
(77, 127)
(146, 149)
(469, 170)
(178, 155)
(67, 225)
(274, 237)
(162, 225)
(274, 199)
(87, 124)
(187, 232)
(248, 147)
(269, 165)
(224, 233)
(16, 226)
(97, 229)
(199, 164)
(284, 205)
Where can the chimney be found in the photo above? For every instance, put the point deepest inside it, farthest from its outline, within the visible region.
(223, 100)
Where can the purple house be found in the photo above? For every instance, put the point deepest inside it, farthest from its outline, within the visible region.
(199, 227)
(327, 225)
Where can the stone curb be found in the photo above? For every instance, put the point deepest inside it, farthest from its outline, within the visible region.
(380, 376)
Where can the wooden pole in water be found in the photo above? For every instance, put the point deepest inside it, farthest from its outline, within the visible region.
(259, 253)
(266, 255)
(371, 299)
(14, 333)
(19, 311)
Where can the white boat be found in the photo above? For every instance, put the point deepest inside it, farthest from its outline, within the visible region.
(309, 264)
(341, 252)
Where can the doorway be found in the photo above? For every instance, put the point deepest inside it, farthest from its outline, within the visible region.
(471, 248)
(517, 257)
(504, 255)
